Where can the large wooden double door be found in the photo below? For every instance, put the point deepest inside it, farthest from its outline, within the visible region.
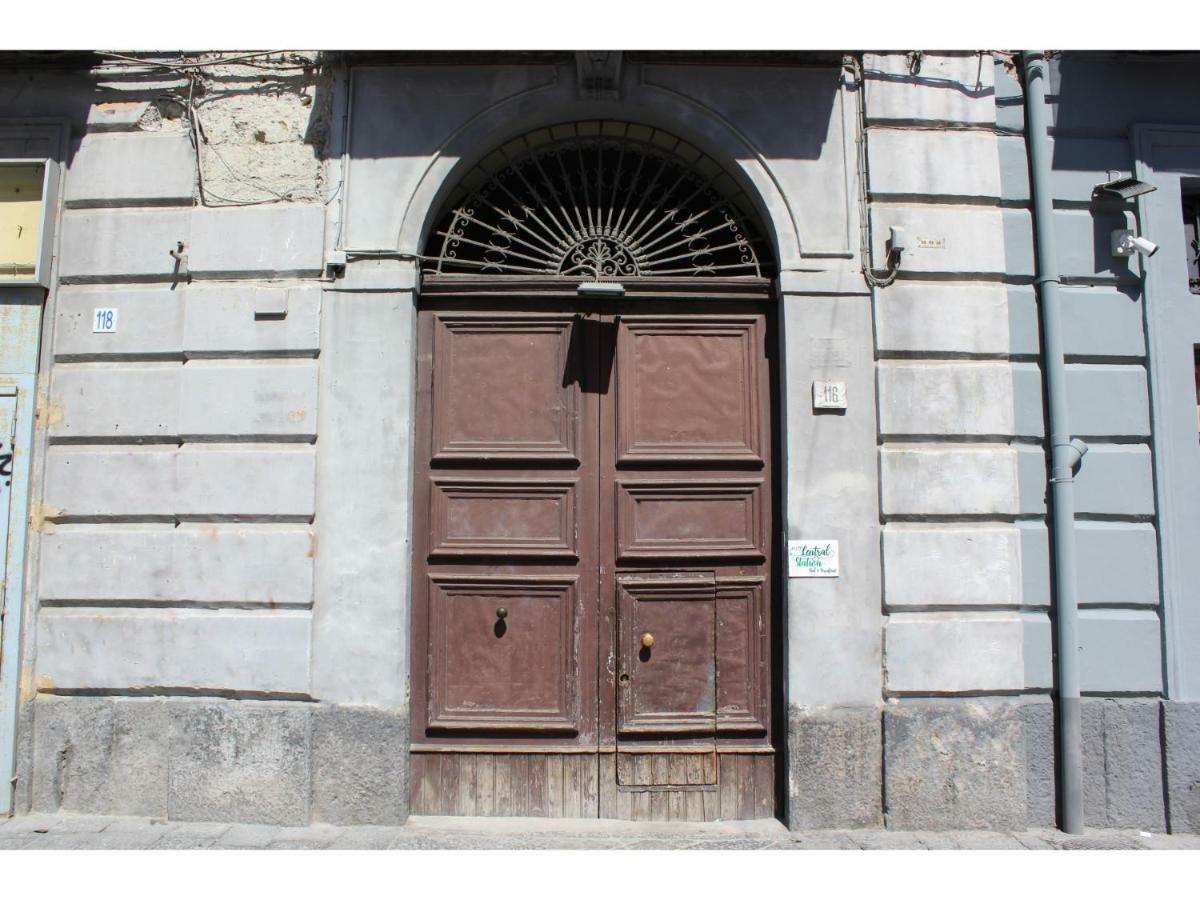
(592, 543)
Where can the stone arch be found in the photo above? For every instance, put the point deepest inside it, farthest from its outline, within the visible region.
(668, 112)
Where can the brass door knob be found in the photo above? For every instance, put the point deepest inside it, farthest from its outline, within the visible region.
(502, 612)
(647, 640)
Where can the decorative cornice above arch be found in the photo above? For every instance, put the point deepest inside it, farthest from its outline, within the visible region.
(425, 134)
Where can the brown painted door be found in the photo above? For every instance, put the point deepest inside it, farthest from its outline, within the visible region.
(593, 545)
(685, 471)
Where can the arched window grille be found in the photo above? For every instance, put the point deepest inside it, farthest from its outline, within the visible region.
(595, 200)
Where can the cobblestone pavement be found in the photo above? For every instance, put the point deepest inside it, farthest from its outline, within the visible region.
(74, 832)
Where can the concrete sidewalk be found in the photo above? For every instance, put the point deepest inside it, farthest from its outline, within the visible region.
(72, 832)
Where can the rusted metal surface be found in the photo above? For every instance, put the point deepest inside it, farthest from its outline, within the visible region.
(594, 550)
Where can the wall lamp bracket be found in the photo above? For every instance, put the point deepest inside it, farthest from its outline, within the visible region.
(179, 254)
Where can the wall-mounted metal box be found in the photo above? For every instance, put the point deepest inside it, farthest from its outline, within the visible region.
(28, 188)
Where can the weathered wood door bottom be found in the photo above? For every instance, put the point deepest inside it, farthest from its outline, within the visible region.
(584, 785)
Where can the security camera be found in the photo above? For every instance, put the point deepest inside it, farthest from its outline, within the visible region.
(1144, 246)
(1126, 243)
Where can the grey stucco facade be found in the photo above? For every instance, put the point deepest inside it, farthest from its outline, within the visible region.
(214, 607)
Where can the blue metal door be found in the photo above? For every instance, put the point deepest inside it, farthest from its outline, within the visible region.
(10, 584)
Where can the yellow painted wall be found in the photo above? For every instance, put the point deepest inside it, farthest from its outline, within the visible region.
(20, 219)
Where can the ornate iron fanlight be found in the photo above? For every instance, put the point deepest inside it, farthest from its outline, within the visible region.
(597, 200)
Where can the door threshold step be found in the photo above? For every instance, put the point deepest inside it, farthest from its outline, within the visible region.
(526, 824)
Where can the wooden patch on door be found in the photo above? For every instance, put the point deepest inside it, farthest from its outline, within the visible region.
(667, 770)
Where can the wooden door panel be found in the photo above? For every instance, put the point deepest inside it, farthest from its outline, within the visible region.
(505, 473)
(669, 687)
(689, 520)
(503, 653)
(742, 655)
(687, 389)
(513, 517)
(686, 438)
(501, 388)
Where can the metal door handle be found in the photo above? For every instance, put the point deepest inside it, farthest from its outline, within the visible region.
(647, 640)
(502, 612)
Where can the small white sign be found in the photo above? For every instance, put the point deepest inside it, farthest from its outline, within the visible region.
(931, 243)
(829, 395)
(812, 559)
(829, 352)
(104, 320)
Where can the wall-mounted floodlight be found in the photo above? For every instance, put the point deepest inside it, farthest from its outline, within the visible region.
(601, 289)
(1123, 189)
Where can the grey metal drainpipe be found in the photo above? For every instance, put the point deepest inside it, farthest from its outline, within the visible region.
(1065, 453)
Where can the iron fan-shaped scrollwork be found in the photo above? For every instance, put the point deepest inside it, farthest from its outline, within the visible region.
(598, 200)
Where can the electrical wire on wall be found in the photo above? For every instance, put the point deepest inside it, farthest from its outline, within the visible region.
(183, 66)
(200, 136)
(875, 278)
(194, 73)
(854, 63)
